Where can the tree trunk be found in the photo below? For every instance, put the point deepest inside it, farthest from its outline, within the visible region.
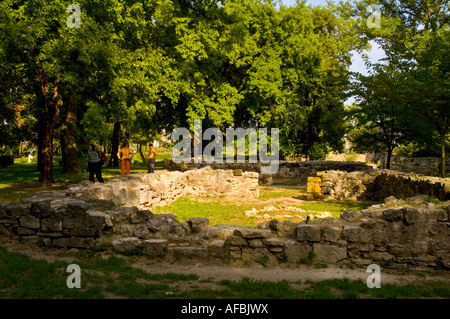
(40, 141)
(144, 160)
(388, 159)
(52, 109)
(443, 168)
(69, 146)
(114, 160)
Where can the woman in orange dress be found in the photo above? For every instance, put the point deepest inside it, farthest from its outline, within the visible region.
(124, 157)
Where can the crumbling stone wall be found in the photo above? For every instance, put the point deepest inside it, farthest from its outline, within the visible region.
(377, 185)
(163, 187)
(299, 170)
(393, 236)
(420, 165)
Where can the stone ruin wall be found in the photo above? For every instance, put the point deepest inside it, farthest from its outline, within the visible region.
(428, 166)
(393, 237)
(375, 185)
(299, 170)
(145, 191)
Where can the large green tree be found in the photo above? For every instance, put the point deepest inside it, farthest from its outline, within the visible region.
(415, 37)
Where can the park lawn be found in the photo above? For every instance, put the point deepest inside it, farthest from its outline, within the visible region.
(106, 275)
(22, 180)
(222, 210)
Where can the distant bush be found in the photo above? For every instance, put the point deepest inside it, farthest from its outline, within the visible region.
(6, 160)
(318, 151)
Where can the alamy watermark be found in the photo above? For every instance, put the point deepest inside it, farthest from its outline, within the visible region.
(374, 279)
(74, 20)
(374, 20)
(74, 280)
(181, 152)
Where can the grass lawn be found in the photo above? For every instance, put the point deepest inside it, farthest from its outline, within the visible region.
(222, 210)
(21, 179)
(111, 276)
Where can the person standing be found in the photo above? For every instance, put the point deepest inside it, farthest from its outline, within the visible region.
(124, 156)
(151, 158)
(94, 163)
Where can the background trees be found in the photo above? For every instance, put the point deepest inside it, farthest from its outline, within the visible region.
(415, 37)
(135, 67)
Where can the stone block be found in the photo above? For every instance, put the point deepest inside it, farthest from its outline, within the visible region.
(356, 234)
(51, 225)
(216, 249)
(141, 231)
(252, 233)
(329, 253)
(411, 216)
(29, 221)
(308, 232)
(198, 224)
(123, 244)
(253, 254)
(236, 241)
(25, 231)
(17, 210)
(107, 218)
(4, 231)
(381, 256)
(287, 229)
(392, 215)
(155, 247)
(351, 215)
(179, 229)
(189, 252)
(140, 216)
(273, 241)
(295, 250)
(49, 234)
(331, 233)
(255, 243)
(74, 242)
(314, 188)
(236, 252)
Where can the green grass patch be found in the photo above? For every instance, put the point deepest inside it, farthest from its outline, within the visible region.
(334, 207)
(216, 211)
(22, 180)
(24, 277)
(267, 193)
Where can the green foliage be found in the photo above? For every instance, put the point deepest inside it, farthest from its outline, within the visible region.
(308, 260)
(318, 152)
(263, 260)
(432, 199)
(415, 37)
(284, 257)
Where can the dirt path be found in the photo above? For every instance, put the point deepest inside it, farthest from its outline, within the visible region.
(291, 274)
(217, 271)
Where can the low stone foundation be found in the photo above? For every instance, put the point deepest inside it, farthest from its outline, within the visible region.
(299, 170)
(429, 166)
(394, 235)
(375, 185)
(163, 187)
